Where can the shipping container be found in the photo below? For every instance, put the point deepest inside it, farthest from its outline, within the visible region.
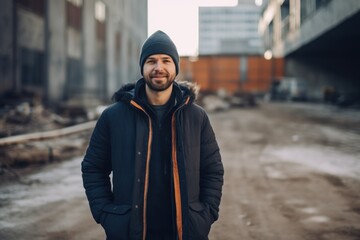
(248, 74)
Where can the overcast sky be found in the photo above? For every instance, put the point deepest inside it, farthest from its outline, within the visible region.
(179, 19)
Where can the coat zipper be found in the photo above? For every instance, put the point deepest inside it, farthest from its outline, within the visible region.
(175, 170)
(176, 174)
(147, 166)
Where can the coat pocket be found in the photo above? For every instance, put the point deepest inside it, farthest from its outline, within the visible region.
(115, 221)
(199, 221)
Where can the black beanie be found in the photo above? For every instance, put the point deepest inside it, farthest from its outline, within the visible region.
(159, 43)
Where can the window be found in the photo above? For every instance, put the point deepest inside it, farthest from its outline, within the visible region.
(32, 67)
(35, 6)
(100, 11)
(74, 14)
(100, 18)
(77, 3)
(117, 47)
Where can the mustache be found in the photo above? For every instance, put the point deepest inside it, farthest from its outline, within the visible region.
(157, 74)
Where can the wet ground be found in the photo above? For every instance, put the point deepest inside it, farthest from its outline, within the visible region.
(292, 171)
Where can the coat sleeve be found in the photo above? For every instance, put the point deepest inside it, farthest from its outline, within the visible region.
(211, 169)
(96, 168)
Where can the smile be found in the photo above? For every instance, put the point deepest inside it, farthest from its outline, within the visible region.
(159, 76)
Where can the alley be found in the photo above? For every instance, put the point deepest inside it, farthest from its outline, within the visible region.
(292, 172)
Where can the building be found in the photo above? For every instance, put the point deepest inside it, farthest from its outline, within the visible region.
(319, 40)
(231, 52)
(230, 30)
(70, 49)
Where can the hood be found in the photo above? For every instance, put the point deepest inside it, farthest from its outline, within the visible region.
(131, 91)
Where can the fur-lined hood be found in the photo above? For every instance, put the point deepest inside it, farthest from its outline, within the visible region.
(131, 91)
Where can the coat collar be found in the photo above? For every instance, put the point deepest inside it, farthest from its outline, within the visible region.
(134, 91)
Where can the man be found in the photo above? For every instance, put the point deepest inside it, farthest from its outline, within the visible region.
(167, 173)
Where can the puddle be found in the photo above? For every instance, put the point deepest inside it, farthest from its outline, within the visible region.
(317, 219)
(309, 210)
(322, 159)
(57, 182)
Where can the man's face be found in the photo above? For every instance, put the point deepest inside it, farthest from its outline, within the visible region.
(159, 72)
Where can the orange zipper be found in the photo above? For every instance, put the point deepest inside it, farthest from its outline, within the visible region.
(147, 166)
(175, 171)
(176, 175)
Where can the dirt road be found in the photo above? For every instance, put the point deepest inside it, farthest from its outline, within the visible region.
(292, 172)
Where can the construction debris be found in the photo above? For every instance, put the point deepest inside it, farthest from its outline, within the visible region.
(31, 134)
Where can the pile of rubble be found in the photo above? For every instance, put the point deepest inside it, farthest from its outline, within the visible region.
(222, 100)
(22, 117)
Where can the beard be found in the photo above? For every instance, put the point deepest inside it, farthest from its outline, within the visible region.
(156, 85)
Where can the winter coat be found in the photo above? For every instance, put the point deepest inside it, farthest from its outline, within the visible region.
(121, 144)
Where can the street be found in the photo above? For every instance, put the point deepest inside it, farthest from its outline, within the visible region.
(292, 172)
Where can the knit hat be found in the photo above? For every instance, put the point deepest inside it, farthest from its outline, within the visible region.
(159, 43)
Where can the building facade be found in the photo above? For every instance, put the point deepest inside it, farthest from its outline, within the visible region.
(231, 52)
(230, 30)
(319, 41)
(70, 49)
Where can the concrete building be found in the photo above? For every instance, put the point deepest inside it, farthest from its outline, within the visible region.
(319, 40)
(230, 30)
(231, 51)
(70, 49)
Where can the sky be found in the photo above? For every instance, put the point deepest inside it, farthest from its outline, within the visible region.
(179, 19)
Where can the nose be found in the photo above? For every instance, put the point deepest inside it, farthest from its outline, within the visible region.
(158, 65)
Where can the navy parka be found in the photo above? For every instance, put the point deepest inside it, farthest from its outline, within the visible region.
(121, 145)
